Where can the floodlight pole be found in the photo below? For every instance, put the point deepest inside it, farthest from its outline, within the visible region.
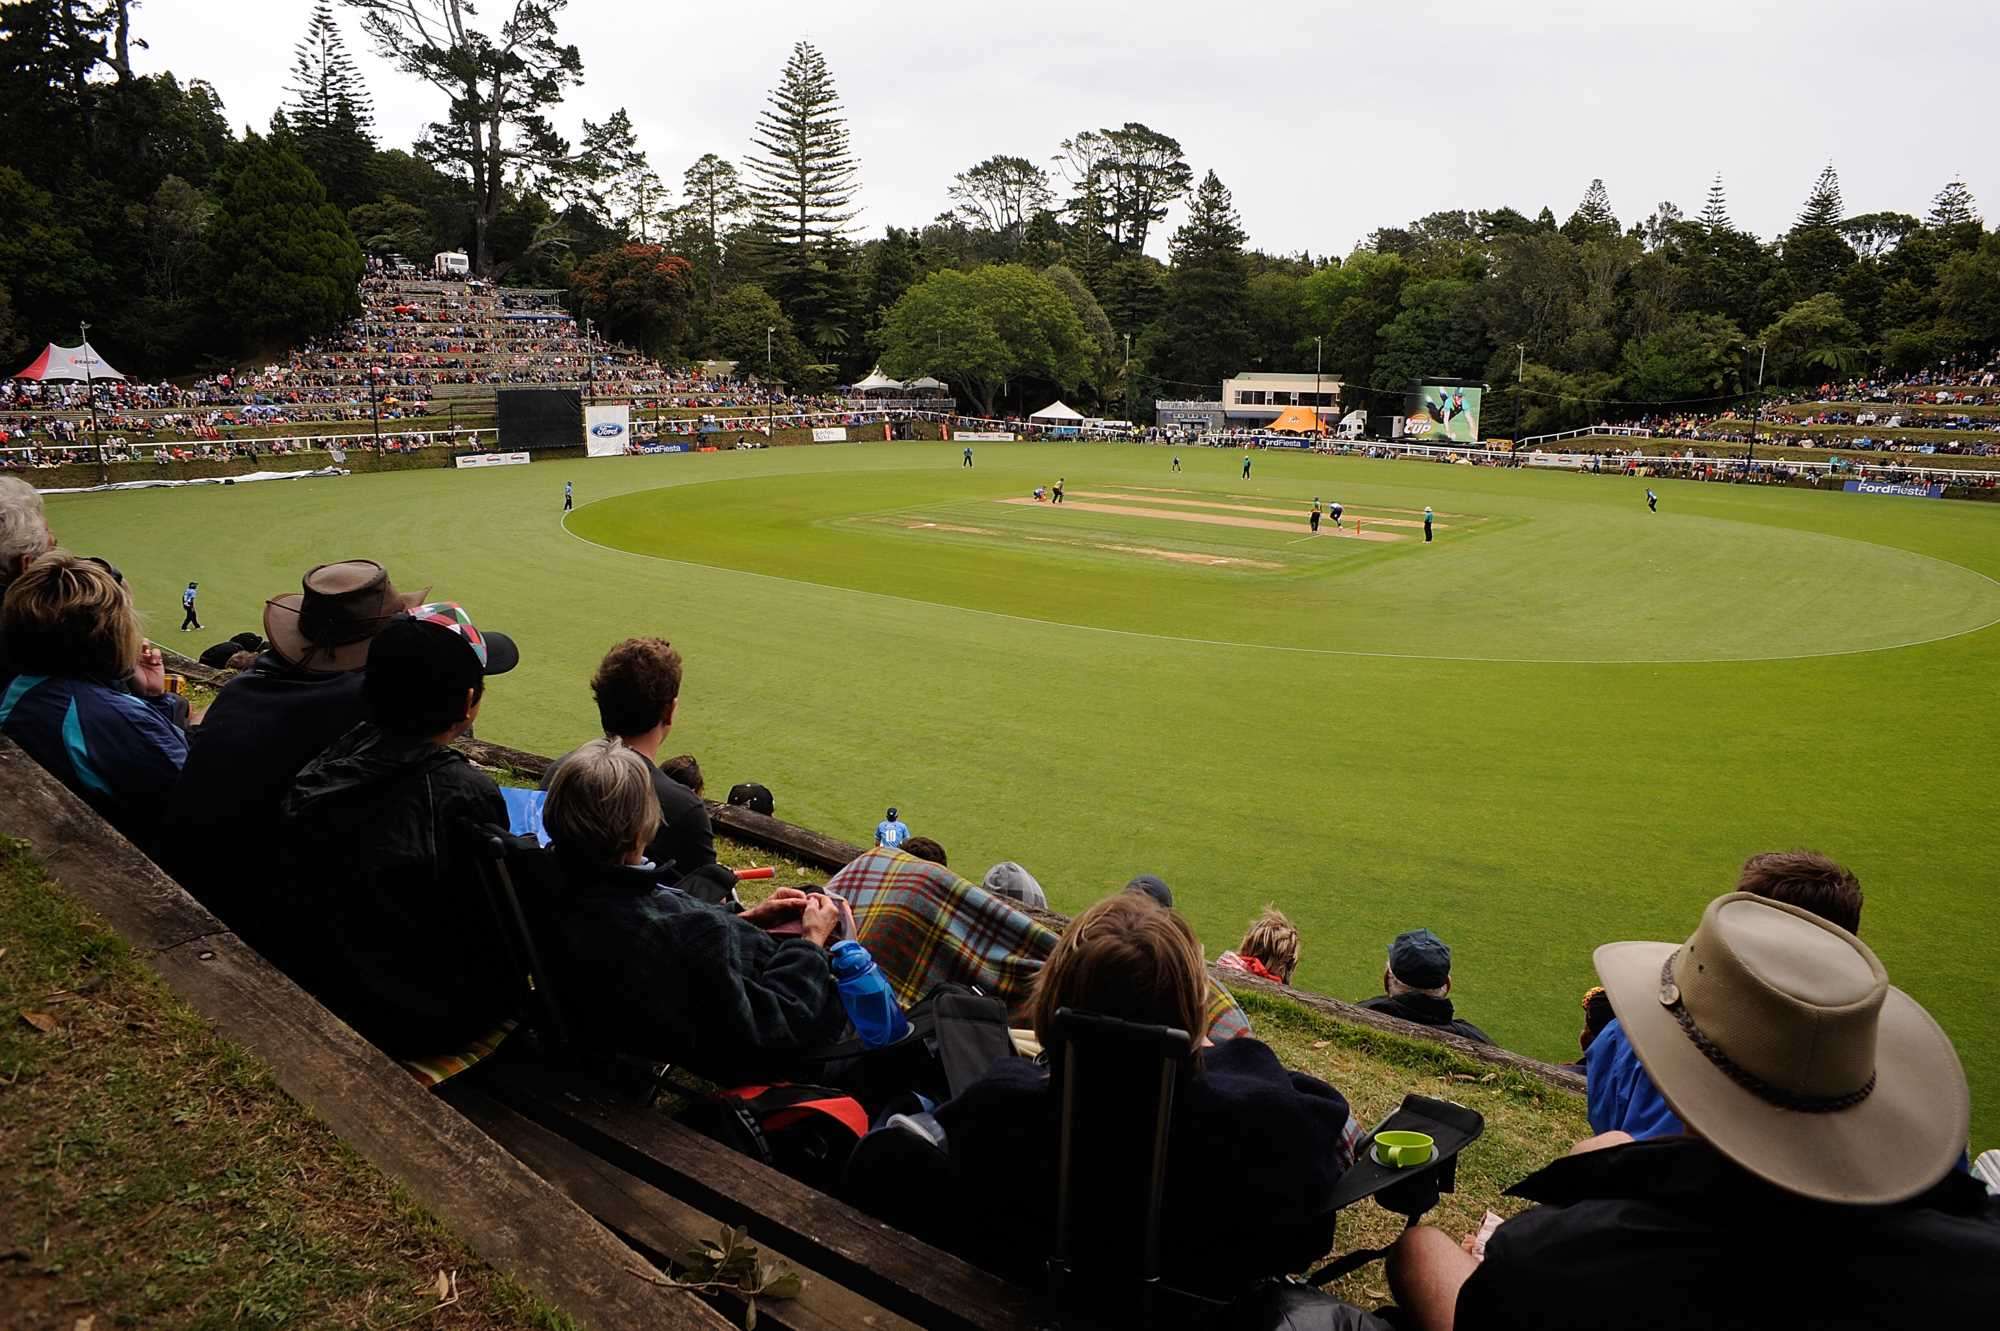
(1520, 395)
(375, 403)
(1756, 410)
(1319, 422)
(90, 400)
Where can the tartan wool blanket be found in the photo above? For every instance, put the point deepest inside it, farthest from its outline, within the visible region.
(926, 926)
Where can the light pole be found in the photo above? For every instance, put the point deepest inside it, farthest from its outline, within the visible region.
(375, 402)
(1520, 394)
(90, 397)
(1756, 407)
(1319, 421)
(1125, 373)
(768, 330)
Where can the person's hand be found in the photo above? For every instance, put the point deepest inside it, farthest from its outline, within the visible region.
(783, 904)
(820, 919)
(1599, 1142)
(149, 677)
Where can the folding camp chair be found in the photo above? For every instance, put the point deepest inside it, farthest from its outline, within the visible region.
(1115, 1083)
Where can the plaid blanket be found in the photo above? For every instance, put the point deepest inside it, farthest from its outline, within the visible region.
(926, 926)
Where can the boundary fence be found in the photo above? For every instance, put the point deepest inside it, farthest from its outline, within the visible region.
(768, 420)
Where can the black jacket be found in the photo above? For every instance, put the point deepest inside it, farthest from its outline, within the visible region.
(1426, 1011)
(388, 923)
(222, 817)
(1668, 1234)
(685, 841)
(644, 969)
(1255, 1153)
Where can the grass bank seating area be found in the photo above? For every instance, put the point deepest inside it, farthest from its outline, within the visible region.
(937, 1103)
(434, 351)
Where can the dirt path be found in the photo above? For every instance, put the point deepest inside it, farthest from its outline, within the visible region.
(1150, 552)
(1351, 514)
(1219, 520)
(1183, 490)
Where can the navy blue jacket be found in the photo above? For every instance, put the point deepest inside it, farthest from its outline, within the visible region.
(119, 752)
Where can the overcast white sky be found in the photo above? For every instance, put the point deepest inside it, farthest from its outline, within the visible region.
(1326, 119)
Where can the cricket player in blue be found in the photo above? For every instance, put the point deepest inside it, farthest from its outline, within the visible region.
(189, 619)
(1334, 510)
(569, 495)
(968, 458)
(1428, 515)
(890, 832)
(1652, 501)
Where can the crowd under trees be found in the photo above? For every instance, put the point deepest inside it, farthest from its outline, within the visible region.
(131, 202)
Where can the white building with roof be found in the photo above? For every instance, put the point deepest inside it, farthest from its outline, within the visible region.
(1254, 398)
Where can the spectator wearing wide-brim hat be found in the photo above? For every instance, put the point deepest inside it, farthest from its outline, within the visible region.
(1816, 1185)
(303, 693)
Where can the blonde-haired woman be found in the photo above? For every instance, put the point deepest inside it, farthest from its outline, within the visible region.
(88, 701)
(1251, 1140)
(1269, 951)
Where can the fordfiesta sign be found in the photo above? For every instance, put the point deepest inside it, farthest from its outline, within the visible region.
(1885, 488)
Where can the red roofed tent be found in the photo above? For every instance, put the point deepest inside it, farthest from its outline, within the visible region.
(79, 363)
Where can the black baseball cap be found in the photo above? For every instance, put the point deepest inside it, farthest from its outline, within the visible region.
(749, 795)
(1153, 887)
(1420, 959)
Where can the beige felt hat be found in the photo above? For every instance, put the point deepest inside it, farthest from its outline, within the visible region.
(1777, 1037)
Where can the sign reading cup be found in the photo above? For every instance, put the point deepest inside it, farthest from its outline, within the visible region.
(606, 430)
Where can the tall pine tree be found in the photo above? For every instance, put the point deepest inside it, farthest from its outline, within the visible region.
(1593, 214)
(1953, 207)
(1204, 331)
(1823, 205)
(330, 111)
(804, 174)
(1715, 212)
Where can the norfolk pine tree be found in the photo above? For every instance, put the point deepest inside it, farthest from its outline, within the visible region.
(804, 189)
(330, 112)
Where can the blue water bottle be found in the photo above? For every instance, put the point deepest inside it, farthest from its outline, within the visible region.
(864, 990)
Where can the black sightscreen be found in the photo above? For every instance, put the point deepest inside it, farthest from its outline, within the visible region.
(533, 418)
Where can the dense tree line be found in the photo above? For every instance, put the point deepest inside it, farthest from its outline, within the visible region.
(130, 202)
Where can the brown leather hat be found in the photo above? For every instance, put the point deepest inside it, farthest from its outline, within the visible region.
(328, 626)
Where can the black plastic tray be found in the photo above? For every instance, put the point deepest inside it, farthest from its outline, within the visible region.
(1452, 1126)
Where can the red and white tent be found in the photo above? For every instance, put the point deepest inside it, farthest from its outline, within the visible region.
(78, 363)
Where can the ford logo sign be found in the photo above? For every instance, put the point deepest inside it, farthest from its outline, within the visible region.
(606, 430)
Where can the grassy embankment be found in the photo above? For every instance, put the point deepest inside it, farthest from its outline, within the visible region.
(157, 1177)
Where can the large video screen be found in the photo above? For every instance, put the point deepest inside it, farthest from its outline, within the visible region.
(1444, 414)
(532, 418)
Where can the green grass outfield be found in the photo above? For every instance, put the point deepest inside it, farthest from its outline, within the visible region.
(1565, 722)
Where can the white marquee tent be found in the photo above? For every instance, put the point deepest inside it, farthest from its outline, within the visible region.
(1058, 413)
(877, 382)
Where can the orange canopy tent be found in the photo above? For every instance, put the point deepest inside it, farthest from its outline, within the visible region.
(1297, 420)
